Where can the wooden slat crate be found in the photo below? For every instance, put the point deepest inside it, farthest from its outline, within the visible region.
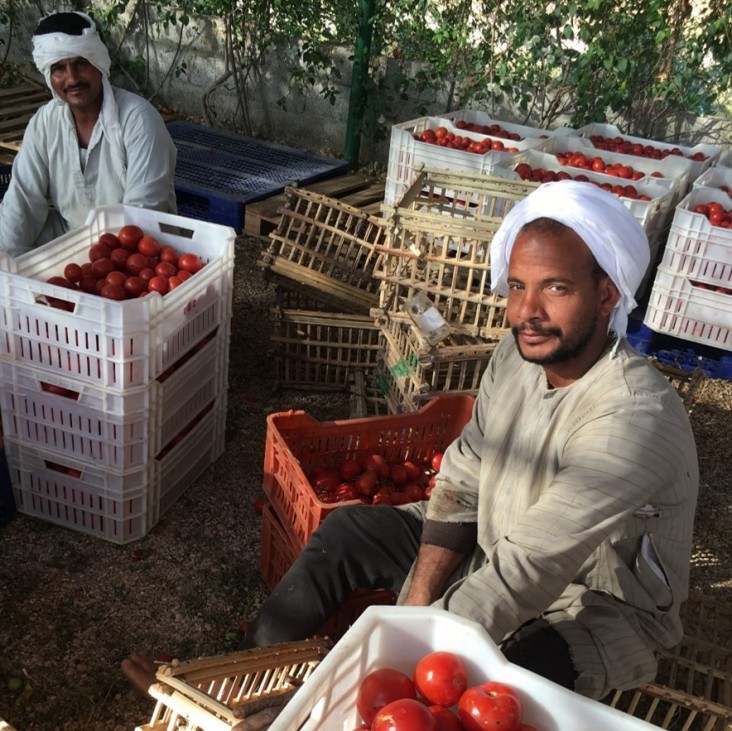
(325, 249)
(368, 397)
(707, 618)
(201, 695)
(421, 370)
(672, 709)
(17, 105)
(320, 350)
(686, 383)
(438, 242)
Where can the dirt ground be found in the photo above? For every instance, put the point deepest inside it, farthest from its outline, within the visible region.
(73, 606)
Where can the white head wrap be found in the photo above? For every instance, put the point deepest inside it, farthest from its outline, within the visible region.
(50, 48)
(610, 231)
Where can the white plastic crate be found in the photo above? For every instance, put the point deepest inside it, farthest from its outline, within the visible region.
(696, 248)
(672, 172)
(117, 506)
(398, 637)
(86, 498)
(93, 424)
(712, 152)
(475, 116)
(678, 307)
(189, 458)
(725, 159)
(407, 155)
(115, 344)
(716, 177)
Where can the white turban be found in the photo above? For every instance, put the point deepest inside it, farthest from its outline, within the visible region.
(610, 231)
(50, 48)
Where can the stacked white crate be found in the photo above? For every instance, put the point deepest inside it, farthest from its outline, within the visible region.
(691, 297)
(408, 155)
(111, 410)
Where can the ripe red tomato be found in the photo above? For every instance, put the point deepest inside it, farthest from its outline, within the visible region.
(114, 292)
(102, 267)
(441, 678)
(345, 492)
(413, 492)
(436, 461)
(349, 469)
(326, 479)
(136, 263)
(414, 472)
(119, 258)
(129, 237)
(490, 705)
(134, 286)
(377, 464)
(146, 274)
(446, 719)
(190, 262)
(73, 273)
(148, 246)
(381, 687)
(165, 269)
(398, 474)
(169, 254)
(174, 282)
(405, 714)
(99, 251)
(109, 240)
(158, 284)
(115, 277)
(183, 275)
(88, 283)
(381, 497)
(365, 483)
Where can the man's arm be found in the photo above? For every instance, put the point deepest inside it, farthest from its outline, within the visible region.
(432, 569)
(24, 208)
(151, 159)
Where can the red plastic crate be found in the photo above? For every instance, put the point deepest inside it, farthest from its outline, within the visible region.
(278, 553)
(297, 444)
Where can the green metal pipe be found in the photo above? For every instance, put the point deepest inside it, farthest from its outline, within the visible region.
(359, 79)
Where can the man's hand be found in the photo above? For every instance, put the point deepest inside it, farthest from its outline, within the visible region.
(259, 714)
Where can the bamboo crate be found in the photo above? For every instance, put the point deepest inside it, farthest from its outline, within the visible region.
(686, 383)
(671, 709)
(367, 397)
(324, 248)
(201, 695)
(708, 619)
(421, 371)
(290, 299)
(438, 242)
(698, 668)
(319, 350)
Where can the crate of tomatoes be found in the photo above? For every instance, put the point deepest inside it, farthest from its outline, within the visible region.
(422, 668)
(120, 299)
(311, 468)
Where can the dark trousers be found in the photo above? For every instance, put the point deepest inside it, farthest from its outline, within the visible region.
(374, 547)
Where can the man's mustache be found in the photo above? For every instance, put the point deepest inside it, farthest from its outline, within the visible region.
(533, 330)
(75, 87)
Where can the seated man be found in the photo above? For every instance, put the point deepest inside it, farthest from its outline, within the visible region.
(92, 145)
(561, 520)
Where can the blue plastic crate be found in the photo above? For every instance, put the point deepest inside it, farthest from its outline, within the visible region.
(4, 179)
(682, 354)
(219, 172)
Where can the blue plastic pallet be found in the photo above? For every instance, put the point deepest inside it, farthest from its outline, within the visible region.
(219, 172)
(682, 354)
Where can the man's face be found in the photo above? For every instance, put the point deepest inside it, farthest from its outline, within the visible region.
(77, 83)
(557, 309)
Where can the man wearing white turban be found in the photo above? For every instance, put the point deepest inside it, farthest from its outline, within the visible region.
(561, 519)
(92, 145)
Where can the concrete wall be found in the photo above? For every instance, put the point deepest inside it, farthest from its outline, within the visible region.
(182, 69)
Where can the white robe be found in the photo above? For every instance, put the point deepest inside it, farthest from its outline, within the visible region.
(51, 192)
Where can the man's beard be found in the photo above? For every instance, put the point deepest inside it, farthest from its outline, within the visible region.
(570, 346)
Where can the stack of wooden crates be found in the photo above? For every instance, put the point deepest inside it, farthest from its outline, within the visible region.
(345, 278)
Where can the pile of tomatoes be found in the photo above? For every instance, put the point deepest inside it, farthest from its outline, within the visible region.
(494, 130)
(375, 481)
(543, 175)
(436, 698)
(444, 138)
(598, 165)
(626, 147)
(716, 213)
(127, 265)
